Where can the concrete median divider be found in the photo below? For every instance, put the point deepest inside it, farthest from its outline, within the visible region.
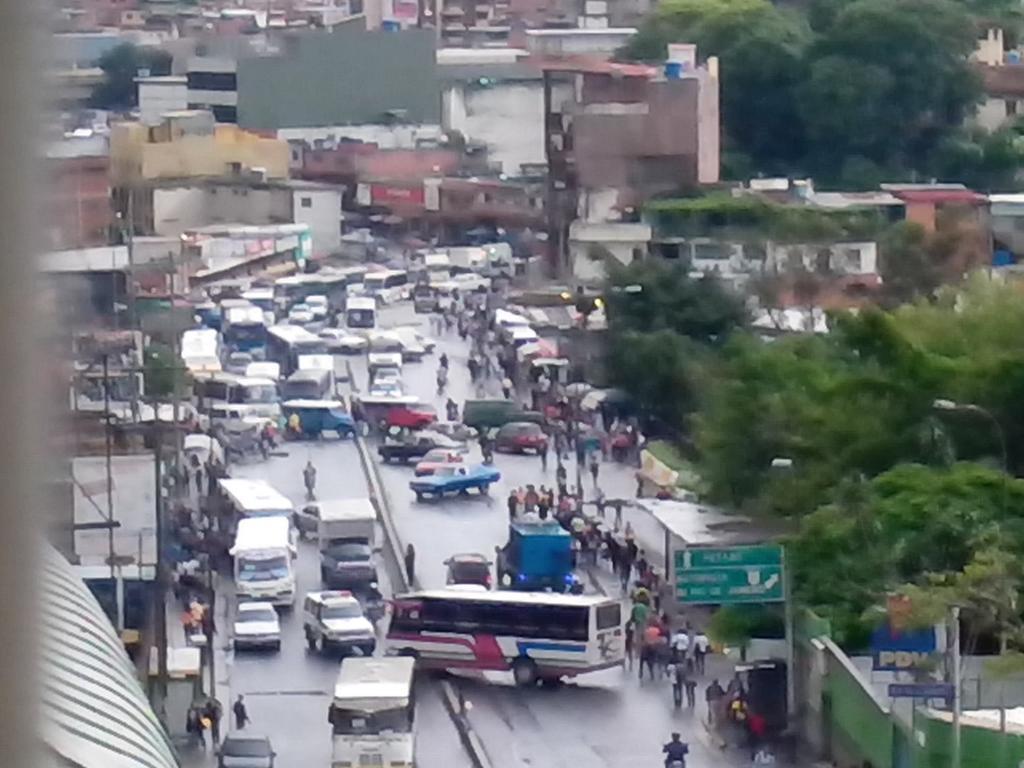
(450, 696)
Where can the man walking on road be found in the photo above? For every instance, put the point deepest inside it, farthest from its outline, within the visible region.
(595, 465)
(241, 715)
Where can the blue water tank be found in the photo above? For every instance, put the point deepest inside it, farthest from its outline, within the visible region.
(1013, 57)
(391, 26)
(673, 70)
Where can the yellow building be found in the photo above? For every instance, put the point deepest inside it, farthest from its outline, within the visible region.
(188, 144)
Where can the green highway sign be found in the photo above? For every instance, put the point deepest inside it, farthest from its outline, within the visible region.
(729, 575)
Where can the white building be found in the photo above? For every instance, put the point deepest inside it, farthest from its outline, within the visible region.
(159, 95)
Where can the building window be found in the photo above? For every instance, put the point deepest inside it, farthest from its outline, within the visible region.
(1011, 106)
(212, 81)
(306, 202)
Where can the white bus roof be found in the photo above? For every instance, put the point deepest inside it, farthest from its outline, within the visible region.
(258, 293)
(374, 684)
(255, 496)
(292, 333)
(347, 509)
(254, 381)
(316, 363)
(509, 596)
(383, 273)
(361, 302)
(249, 313)
(262, 533)
(300, 403)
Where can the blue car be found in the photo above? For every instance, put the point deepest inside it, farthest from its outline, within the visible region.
(456, 478)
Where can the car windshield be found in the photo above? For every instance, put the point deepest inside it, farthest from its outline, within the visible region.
(246, 747)
(470, 571)
(342, 611)
(349, 552)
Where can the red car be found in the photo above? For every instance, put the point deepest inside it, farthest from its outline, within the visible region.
(411, 416)
(519, 436)
(438, 457)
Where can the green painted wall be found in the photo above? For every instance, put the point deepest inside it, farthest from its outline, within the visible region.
(857, 725)
(980, 747)
(350, 76)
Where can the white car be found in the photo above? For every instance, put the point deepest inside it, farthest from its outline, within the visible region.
(257, 626)
(386, 388)
(414, 344)
(335, 618)
(318, 306)
(466, 282)
(343, 341)
(300, 314)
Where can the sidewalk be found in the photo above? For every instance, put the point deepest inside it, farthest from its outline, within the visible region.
(191, 754)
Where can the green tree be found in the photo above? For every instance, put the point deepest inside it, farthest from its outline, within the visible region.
(889, 80)
(653, 295)
(760, 50)
(161, 369)
(120, 67)
(953, 534)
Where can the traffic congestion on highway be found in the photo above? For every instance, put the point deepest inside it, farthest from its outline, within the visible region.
(393, 475)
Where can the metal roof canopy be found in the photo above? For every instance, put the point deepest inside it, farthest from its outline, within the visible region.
(686, 524)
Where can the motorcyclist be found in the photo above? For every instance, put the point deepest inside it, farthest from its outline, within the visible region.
(442, 379)
(309, 478)
(443, 360)
(452, 410)
(676, 752)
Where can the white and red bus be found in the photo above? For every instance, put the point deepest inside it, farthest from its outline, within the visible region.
(535, 635)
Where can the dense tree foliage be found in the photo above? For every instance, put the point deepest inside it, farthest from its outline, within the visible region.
(850, 91)
(660, 323)
(121, 65)
(883, 488)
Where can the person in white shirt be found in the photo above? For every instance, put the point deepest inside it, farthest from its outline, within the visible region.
(701, 646)
(679, 644)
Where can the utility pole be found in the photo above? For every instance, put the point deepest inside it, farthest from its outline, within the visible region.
(115, 570)
(957, 703)
(161, 579)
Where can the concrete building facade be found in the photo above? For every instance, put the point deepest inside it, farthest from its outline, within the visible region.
(188, 144)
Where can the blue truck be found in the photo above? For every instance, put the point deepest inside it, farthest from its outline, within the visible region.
(538, 558)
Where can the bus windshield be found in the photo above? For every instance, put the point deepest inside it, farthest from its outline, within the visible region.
(263, 568)
(359, 318)
(254, 393)
(351, 721)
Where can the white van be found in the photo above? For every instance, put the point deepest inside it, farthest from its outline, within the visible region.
(264, 555)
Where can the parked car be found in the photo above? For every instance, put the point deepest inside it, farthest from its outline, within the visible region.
(455, 478)
(466, 282)
(409, 448)
(520, 436)
(385, 388)
(411, 416)
(257, 626)
(300, 314)
(456, 430)
(237, 363)
(469, 568)
(485, 414)
(334, 618)
(436, 458)
(341, 341)
(237, 751)
(318, 306)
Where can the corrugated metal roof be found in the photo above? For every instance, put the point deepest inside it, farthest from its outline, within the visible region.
(95, 714)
